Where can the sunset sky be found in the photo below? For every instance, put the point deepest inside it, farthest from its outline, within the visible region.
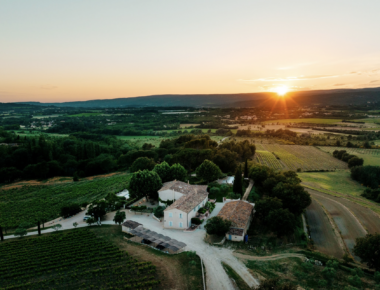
(55, 51)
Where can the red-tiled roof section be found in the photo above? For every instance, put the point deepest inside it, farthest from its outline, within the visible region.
(238, 212)
(183, 187)
(188, 202)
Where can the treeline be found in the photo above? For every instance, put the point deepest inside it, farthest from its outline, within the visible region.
(352, 160)
(40, 158)
(282, 199)
(191, 150)
(368, 176)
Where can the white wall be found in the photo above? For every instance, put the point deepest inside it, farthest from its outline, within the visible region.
(175, 219)
(186, 217)
(169, 195)
(235, 238)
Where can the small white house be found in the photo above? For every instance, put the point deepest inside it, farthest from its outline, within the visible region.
(191, 198)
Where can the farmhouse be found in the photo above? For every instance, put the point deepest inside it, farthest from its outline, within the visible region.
(240, 213)
(188, 199)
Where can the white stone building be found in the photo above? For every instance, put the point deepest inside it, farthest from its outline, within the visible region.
(188, 199)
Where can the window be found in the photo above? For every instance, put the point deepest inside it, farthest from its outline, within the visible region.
(170, 214)
(170, 224)
(180, 225)
(180, 215)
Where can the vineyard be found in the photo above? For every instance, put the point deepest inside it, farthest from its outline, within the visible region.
(293, 157)
(353, 151)
(29, 203)
(73, 260)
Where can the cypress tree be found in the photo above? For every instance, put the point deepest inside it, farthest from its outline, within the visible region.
(246, 168)
(238, 182)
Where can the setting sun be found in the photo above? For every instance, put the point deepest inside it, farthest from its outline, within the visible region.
(281, 91)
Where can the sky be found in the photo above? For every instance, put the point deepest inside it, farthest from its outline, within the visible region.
(57, 51)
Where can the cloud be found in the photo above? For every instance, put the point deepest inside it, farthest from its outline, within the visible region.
(296, 65)
(48, 87)
(338, 85)
(374, 81)
(290, 79)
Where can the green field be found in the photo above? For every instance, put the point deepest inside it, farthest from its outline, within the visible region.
(85, 115)
(62, 261)
(370, 156)
(305, 120)
(369, 120)
(155, 140)
(338, 181)
(26, 204)
(37, 133)
(46, 116)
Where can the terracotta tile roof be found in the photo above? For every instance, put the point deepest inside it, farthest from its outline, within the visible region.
(188, 202)
(238, 212)
(183, 187)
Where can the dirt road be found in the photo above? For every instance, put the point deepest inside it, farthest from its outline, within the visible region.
(322, 232)
(349, 226)
(268, 258)
(248, 190)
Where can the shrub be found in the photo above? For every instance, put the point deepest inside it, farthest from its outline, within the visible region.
(202, 210)
(355, 281)
(159, 211)
(196, 221)
(217, 226)
(138, 208)
(20, 232)
(70, 210)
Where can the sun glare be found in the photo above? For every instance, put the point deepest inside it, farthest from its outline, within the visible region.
(281, 91)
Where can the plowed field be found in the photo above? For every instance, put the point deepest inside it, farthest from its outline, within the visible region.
(321, 231)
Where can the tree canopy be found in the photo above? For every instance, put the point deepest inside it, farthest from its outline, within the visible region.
(142, 163)
(217, 226)
(368, 249)
(208, 171)
(144, 183)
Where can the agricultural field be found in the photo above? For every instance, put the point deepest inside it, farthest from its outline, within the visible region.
(293, 157)
(322, 232)
(268, 159)
(28, 203)
(188, 125)
(64, 260)
(349, 226)
(370, 156)
(139, 141)
(85, 115)
(305, 120)
(26, 132)
(46, 116)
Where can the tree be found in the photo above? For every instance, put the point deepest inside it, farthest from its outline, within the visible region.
(163, 171)
(97, 209)
(246, 168)
(178, 172)
(20, 232)
(57, 227)
(75, 176)
(367, 248)
(266, 205)
(355, 161)
(217, 226)
(226, 160)
(281, 221)
(119, 217)
(259, 174)
(75, 224)
(208, 171)
(144, 183)
(142, 163)
(293, 196)
(90, 221)
(159, 211)
(238, 182)
(70, 210)
(329, 273)
(274, 284)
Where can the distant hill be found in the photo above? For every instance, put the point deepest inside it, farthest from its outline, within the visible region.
(321, 97)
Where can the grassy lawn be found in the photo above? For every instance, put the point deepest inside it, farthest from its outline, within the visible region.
(37, 133)
(46, 116)
(339, 181)
(239, 282)
(140, 140)
(305, 120)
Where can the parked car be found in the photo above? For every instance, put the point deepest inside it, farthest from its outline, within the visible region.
(86, 217)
